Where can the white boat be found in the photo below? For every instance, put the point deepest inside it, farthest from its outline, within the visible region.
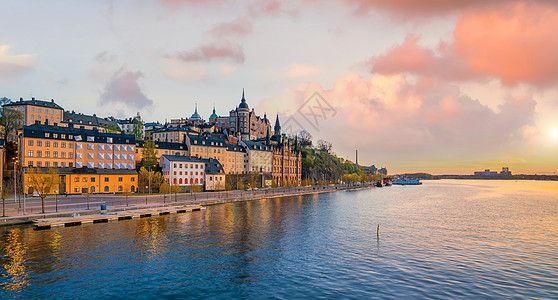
(405, 181)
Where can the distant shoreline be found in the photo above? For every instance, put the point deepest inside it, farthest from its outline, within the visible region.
(425, 176)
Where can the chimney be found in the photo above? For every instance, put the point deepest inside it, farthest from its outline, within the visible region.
(32, 98)
(52, 100)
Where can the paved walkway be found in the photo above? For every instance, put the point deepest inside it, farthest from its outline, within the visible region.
(14, 210)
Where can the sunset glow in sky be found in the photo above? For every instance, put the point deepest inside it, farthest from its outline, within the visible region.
(439, 86)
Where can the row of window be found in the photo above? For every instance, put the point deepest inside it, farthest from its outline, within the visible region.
(192, 181)
(46, 118)
(108, 147)
(54, 154)
(191, 173)
(108, 156)
(79, 164)
(77, 189)
(192, 166)
(92, 179)
(47, 144)
(40, 109)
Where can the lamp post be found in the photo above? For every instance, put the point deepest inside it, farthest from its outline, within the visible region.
(146, 196)
(23, 189)
(56, 199)
(15, 181)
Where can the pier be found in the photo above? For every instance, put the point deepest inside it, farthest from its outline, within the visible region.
(77, 219)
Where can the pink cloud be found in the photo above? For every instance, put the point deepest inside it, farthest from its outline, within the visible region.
(427, 8)
(236, 28)
(399, 119)
(515, 45)
(409, 57)
(270, 7)
(209, 52)
(123, 88)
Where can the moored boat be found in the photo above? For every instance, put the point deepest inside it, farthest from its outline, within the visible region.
(406, 181)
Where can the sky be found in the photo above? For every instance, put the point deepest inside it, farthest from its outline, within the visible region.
(437, 86)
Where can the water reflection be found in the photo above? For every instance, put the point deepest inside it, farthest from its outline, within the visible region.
(441, 240)
(13, 261)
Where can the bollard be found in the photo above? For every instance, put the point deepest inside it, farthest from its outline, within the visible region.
(378, 230)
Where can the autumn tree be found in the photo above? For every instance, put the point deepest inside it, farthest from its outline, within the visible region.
(150, 179)
(175, 188)
(42, 182)
(148, 156)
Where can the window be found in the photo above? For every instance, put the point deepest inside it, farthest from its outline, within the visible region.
(30, 143)
(39, 153)
(55, 154)
(120, 179)
(90, 146)
(92, 179)
(76, 189)
(38, 109)
(106, 188)
(30, 163)
(120, 188)
(39, 164)
(55, 164)
(133, 179)
(90, 155)
(63, 144)
(84, 179)
(39, 143)
(63, 164)
(90, 165)
(30, 153)
(63, 154)
(55, 144)
(47, 164)
(70, 154)
(47, 143)
(106, 179)
(71, 145)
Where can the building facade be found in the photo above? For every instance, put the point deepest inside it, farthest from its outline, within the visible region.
(183, 170)
(259, 156)
(242, 122)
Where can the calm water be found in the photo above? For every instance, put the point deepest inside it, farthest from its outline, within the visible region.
(444, 239)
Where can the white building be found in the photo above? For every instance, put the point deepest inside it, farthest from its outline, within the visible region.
(259, 156)
(183, 170)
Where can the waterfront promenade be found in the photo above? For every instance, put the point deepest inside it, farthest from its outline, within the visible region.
(61, 205)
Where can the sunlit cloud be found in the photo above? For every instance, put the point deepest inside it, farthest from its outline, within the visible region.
(296, 71)
(14, 65)
(213, 51)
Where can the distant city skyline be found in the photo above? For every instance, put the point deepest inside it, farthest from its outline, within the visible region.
(444, 87)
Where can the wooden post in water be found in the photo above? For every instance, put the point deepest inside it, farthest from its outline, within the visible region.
(378, 230)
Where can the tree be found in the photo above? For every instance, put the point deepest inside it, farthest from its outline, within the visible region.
(137, 128)
(175, 188)
(42, 182)
(148, 156)
(10, 121)
(164, 188)
(5, 189)
(305, 138)
(324, 146)
(150, 179)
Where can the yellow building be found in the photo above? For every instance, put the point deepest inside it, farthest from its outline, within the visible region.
(83, 181)
(47, 112)
(236, 160)
(207, 146)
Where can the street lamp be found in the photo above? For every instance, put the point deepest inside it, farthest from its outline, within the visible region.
(15, 180)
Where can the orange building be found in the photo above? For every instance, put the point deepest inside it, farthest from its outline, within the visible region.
(75, 152)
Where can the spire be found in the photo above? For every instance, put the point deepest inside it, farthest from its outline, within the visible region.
(243, 105)
(243, 95)
(277, 127)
